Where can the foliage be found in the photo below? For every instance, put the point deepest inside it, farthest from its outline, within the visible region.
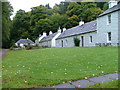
(58, 21)
(76, 42)
(6, 24)
(43, 25)
(28, 47)
(13, 47)
(72, 21)
(43, 67)
(21, 25)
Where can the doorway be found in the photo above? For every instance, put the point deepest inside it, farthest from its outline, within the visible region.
(82, 41)
(62, 43)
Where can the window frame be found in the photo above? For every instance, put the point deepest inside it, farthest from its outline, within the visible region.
(109, 36)
(109, 18)
(91, 39)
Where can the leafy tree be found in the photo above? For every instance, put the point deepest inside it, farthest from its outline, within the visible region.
(6, 24)
(106, 6)
(73, 9)
(72, 21)
(21, 25)
(56, 9)
(43, 25)
(86, 11)
(63, 7)
(58, 21)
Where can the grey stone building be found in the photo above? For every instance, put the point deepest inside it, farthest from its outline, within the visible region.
(108, 26)
(101, 32)
(86, 33)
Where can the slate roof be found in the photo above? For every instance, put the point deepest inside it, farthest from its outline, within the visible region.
(110, 10)
(49, 37)
(85, 28)
(25, 41)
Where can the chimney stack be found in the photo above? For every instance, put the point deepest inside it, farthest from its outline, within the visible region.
(64, 29)
(44, 34)
(112, 3)
(81, 23)
(50, 32)
(59, 30)
(40, 35)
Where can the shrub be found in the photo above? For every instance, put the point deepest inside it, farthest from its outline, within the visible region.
(28, 47)
(13, 47)
(76, 42)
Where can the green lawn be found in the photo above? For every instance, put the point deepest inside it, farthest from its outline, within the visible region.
(110, 84)
(46, 67)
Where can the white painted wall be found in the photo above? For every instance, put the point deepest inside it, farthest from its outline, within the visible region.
(69, 41)
(50, 43)
(103, 27)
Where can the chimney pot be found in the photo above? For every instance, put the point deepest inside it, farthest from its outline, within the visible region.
(112, 3)
(81, 23)
(59, 30)
(50, 32)
(64, 29)
(44, 34)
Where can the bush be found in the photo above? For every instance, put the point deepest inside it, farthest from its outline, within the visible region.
(28, 47)
(13, 47)
(76, 42)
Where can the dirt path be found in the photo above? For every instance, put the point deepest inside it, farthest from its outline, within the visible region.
(2, 52)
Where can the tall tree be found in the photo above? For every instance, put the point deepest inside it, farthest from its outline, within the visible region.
(58, 21)
(21, 25)
(6, 24)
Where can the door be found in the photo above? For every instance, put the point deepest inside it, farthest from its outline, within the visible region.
(62, 43)
(82, 41)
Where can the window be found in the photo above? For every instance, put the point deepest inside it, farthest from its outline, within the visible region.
(90, 39)
(109, 36)
(109, 18)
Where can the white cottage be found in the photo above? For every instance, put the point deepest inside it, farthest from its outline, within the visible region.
(49, 41)
(24, 42)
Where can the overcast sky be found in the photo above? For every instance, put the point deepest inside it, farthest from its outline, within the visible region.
(27, 4)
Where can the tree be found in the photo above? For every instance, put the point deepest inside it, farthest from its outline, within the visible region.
(63, 7)
(106, 6)
(86, 11)
(21, 26)
(6, 24)
(58, 21)
(43, 25)
(72, 21)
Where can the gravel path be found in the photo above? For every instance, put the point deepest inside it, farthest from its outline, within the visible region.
(88, 82)
(2, 52)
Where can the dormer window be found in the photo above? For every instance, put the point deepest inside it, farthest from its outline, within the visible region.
(109, 18)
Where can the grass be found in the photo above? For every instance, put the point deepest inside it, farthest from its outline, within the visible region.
(50, 66)
(110, 84)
